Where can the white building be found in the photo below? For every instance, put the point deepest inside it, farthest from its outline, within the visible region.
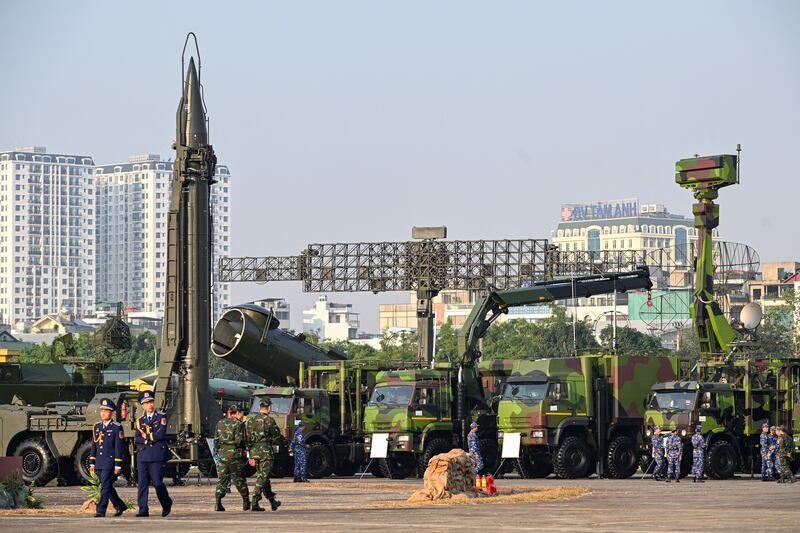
(331, 321)
(47, 235)
(280, 308)
(132, 203)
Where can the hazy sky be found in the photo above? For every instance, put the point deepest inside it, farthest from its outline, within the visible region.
(353, 121)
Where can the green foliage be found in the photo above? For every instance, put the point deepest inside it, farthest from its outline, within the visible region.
(551, 337)
(19, 492)
(447, 342)
(357, 352)
(775, 333)
(92, 489)
(630, 341)
(219, 368)
(399, 346)
(139, 356)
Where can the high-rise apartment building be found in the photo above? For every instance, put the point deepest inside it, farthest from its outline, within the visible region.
(132, 203)
(47, 235)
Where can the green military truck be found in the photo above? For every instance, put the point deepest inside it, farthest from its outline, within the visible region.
(415, 410)
(423, 412)
(730, 402)
(330, 400)
(732, 393)
(573, 414)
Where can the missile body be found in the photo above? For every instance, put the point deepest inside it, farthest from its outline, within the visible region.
(187, 314)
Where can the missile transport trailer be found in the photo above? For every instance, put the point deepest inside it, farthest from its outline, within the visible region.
(577, 414)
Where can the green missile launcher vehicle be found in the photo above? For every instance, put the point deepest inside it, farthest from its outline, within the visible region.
(574, 413)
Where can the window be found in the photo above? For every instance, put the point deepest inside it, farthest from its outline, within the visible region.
(681, 246)
(594, 240)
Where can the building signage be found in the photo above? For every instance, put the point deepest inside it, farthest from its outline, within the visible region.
(600, 210)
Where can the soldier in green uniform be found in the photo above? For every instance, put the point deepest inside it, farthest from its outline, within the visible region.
(785, 449)
(262, 435)
(230, 442)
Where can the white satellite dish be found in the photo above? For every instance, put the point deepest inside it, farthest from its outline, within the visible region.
(750, 317)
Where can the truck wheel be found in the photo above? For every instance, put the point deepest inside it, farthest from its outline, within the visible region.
(282, 467)
(38, 464)
(721, 460)
(622, 460)
(319, 462)
(80, 463)
(375, 468)
(572, 459)
(490, 454)
(396, 466)
(432, 448)
(532, 466)
(346, 469)
(646, 463)
(207, 468)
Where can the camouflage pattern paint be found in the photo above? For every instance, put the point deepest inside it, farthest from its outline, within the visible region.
(570, 392)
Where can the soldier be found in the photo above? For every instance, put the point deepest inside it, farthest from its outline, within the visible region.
(299, 450)
(108, 445)
(657, 442)
(262, 434)
(785, 448)
(698, 454)
(765, 442)
(151, 455)
(230, 441)
(773, 453)
(673, 448)
(474, 446)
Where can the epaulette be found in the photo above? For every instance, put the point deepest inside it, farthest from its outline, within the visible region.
(115, 423)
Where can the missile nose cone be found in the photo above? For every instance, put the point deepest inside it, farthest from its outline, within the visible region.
(194, 115)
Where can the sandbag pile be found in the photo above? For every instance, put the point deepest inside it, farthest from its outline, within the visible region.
(449, 475)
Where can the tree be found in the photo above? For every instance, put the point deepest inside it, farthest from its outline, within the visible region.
(630, 341)
(447, 342)
(398, 346)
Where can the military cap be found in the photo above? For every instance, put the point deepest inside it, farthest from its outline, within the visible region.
(765, 425)
(674, 430)
(106, 403)
(265, 402)
(234, 408)
(301, 423)
(657, 428)
(772, 428)
(146, 396)
(473, 425)
(698, 429)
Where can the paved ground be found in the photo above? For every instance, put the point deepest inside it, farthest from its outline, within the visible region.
(354, 505)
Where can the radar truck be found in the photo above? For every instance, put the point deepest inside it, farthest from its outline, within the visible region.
(732, 392)
(576, 413)
(423, 412)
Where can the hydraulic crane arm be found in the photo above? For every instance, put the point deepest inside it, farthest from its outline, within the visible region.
(496, 303)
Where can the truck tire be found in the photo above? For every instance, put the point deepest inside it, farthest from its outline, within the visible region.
(622, 459)
(375, 468)
(80, 462)
(432, 448)
(346, 469)
(646, 463)
(533, 466)
(721, 460)
(319, 462)
(207, 468)
(397, 467)
(38, 464)
(572, 459)
(490, 455)
(282, 467)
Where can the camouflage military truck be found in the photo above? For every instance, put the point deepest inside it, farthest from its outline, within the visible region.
(575, 412)
(330, 401)
(415, 409)
(730, 402)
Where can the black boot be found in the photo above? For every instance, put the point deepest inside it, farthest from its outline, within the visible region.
(677, 479)
(218, 505)
(255, 507)
(297, 480)
(274, 503)
(668, 480)
(694, 480)
(245, 503)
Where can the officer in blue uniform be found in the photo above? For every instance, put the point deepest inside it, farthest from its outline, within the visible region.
(108, 447)
(300, 452)
(151, 454)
